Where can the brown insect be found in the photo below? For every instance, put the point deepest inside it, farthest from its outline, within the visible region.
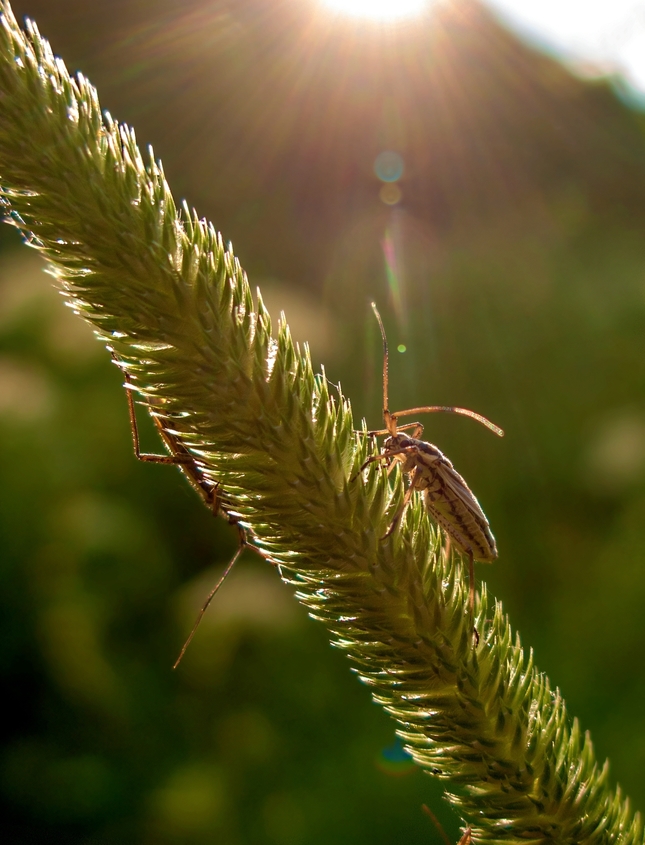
(447, 497)
(208, 490)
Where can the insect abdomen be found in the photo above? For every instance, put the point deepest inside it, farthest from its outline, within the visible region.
(468, 529)
(452, 504)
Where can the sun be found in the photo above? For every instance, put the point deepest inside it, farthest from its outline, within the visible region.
(378, 10)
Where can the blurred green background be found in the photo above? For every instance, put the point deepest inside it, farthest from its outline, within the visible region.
(508, 262)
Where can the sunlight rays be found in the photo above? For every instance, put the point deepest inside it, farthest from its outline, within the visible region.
(378, 10)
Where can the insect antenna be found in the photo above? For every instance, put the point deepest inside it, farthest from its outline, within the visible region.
(465, 839)
(390, 422)
(211, 596)
(206, 488)
(390, 419)
(445, 409)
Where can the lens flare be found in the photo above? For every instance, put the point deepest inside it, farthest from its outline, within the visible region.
(380, 10)
(389, 166)
(392, 273)
(390, 194)
(395, 760)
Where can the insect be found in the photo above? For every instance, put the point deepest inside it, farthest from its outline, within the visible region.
(466, 839)
(208, 490)
(447, 497)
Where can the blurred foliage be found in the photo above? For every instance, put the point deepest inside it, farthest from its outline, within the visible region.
(103, 742)
(104, 567)
(514, 269)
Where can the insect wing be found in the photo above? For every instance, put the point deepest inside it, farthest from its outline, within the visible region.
(458, 485)
(452, 504)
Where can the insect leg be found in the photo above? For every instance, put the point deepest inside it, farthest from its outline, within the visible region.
(418, 429)
(392, 453)
(134, 428)
(206, 488)
(471, 595)
(178, 455)
(471, 584)
(447, 545)
(372, 459)
(384, 457)
(404, 504)
(384, 431)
